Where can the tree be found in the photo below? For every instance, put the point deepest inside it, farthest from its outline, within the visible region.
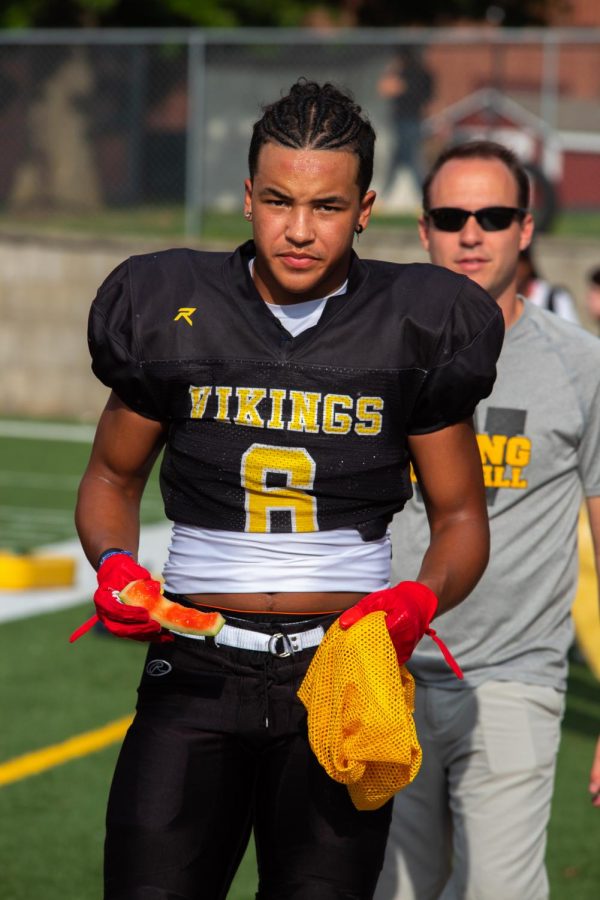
(231, 13)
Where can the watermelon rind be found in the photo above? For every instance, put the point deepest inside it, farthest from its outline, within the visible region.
(169, 614)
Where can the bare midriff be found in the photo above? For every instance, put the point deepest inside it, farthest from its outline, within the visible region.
(283, 602)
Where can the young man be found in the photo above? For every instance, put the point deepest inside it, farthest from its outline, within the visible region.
(473, 823)
(288, 383)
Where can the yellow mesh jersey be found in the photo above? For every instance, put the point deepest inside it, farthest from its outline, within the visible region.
(360, 705)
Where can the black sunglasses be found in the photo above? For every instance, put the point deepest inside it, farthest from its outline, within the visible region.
(490, 218)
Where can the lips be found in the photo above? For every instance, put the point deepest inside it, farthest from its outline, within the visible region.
(293, 261)
(471, 264)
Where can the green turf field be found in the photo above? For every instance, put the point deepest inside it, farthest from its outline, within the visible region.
(38, 484)
(52, 822)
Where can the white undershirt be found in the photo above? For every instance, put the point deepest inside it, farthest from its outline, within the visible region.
(297, 317)
(208, 560)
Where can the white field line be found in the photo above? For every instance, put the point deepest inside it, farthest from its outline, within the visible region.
(48, 431)
(154, 543)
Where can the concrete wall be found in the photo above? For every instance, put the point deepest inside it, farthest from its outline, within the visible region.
(48, 283)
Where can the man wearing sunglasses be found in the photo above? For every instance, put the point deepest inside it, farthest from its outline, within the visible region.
(473, 824)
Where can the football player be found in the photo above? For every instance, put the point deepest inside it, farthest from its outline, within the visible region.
(289, 383)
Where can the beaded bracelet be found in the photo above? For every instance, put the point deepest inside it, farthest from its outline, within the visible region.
(112, 551)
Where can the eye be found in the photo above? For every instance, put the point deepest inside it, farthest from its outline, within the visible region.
(277, 203)
(325, 207)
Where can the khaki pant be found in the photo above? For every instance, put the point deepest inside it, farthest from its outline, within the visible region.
(472, 826)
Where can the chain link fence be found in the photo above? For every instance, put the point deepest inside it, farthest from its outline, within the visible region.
(149, 130)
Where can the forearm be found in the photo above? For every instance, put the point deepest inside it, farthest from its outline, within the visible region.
(455, 559)
(106, 516)
(108, 503)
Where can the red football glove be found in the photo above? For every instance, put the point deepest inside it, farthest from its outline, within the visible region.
(410, 607)
(121, 620)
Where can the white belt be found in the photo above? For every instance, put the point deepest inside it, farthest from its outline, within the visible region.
(277, 644)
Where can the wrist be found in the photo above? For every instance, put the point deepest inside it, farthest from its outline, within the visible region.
(112, 551)
(426, 599)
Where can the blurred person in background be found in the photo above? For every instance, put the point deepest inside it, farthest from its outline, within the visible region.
(407, 86)
(473, 823)
(541, 292)
(592, 297)
(287, 382)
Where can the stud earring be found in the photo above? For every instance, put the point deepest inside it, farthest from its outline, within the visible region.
(248, 214)
(358, 231)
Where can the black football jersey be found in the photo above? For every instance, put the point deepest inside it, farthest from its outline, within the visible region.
(269, 432)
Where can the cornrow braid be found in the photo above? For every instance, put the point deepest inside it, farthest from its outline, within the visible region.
(316, 117)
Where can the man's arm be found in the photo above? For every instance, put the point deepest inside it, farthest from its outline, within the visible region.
(125, 449)
(448, 467)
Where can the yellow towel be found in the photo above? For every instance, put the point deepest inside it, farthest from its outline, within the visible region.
(360, 706)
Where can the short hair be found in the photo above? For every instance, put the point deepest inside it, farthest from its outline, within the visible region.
(316, 117)
(481, 150)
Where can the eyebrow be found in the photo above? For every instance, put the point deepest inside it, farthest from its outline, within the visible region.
(323, 201)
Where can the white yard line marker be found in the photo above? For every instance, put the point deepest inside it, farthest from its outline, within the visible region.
(48, 431)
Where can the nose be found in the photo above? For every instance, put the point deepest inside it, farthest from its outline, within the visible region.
(471, 232)
(299, 228)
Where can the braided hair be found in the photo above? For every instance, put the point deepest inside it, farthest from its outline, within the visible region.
(316, 117)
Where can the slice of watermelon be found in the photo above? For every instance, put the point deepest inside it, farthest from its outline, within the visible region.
(148, 593)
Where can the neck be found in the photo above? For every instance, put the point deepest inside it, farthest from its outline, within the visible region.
(512, 307)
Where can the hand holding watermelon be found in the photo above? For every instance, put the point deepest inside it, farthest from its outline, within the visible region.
(130, 603)
(115, 573)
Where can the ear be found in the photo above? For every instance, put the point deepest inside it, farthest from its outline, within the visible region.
(366, 207)
(247, 196)
(423, 227)
(527, 229)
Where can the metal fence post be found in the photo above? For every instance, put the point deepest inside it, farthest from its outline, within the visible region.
(549, 86)
(194, 167)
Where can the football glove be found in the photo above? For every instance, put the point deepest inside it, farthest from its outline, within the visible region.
(114, 573)
(409, 606)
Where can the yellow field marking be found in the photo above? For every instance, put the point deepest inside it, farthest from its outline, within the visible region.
(57, 754)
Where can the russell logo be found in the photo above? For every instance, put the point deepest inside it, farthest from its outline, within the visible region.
(158, 667)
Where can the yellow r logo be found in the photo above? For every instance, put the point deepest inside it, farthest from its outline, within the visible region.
(185, 312)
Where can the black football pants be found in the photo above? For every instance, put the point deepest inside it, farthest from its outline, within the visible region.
(218, 748)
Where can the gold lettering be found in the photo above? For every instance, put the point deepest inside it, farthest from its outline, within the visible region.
(518, 451)
(305, 411)
(335, 422)
(199, 397)
(248, 400)
(262, 500)
(223, 395)
(369, 420)
(516, 480)
(277, 396)
(491, 448)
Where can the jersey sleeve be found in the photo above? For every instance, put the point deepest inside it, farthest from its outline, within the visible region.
(117, 356)
(464, 369)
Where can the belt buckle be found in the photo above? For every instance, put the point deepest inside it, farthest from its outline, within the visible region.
(287, 646)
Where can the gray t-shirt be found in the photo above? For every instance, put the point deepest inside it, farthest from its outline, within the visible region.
(539, 438)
